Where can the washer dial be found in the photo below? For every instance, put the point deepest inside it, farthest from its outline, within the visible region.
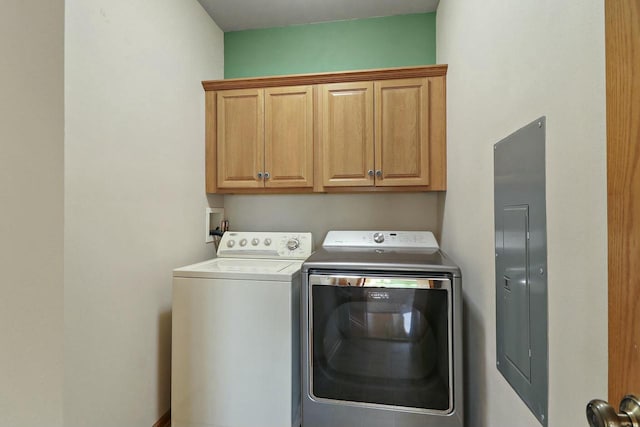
(293, 244)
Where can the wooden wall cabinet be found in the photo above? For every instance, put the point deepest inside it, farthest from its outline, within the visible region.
(402, 136)
(240, 138)
(346, 121)
(372, 130)
(387, 133)
(265, 138)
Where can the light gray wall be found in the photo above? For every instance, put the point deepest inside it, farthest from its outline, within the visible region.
(319, 213)
(135, 197)
(509, 63)
(31, 212)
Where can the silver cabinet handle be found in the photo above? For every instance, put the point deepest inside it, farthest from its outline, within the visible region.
(370, 172)
(260, 175)
(267, 175)
(378, 173)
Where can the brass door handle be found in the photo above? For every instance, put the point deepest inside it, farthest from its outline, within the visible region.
(602, 414)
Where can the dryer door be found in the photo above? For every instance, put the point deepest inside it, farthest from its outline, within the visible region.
(381, 341)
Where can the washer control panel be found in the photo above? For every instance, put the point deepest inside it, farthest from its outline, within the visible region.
(255, 244)
(383, 239)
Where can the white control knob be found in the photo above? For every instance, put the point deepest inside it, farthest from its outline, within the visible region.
(378, 237)
(255, 241)
(293, 244)
(267, 242)
(243, 242)
(231, 243)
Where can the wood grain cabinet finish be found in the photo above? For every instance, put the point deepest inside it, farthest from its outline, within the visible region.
(265, 138)
(240, 138)
(402, 132)
(347, 134)
(288, 148)
(353, 131)
(384, 134)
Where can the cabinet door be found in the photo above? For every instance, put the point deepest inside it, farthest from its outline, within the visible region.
(402, 133)
(240, 138)
(347, 134)
(288, 149)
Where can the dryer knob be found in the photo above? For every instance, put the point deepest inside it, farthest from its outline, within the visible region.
(231, 243)
(267, 242)
(243, 242)
(255, 241)
(378, 237)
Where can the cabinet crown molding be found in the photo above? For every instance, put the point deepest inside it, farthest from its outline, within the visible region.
(324, 78)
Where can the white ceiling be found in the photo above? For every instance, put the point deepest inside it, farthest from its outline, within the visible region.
(234, 15)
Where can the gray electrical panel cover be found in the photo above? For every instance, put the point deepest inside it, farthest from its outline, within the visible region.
(521, 264)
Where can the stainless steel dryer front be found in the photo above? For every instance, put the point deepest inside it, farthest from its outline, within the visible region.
(382, 332)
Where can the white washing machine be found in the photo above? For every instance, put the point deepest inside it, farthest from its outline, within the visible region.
(236, 334)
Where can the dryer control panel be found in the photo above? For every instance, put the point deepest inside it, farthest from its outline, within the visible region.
(382, 239)
(255, 244)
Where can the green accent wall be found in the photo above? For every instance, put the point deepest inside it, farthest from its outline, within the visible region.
(391, 41)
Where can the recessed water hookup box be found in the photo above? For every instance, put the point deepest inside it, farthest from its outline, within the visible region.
(212, 219)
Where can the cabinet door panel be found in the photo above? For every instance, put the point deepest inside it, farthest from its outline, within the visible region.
(402, 132)
(240, 138)
(289, 136)
(347, 134)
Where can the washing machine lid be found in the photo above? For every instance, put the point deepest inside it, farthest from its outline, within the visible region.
(241, 268)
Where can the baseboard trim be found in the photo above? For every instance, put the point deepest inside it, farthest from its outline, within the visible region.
(165, 420)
